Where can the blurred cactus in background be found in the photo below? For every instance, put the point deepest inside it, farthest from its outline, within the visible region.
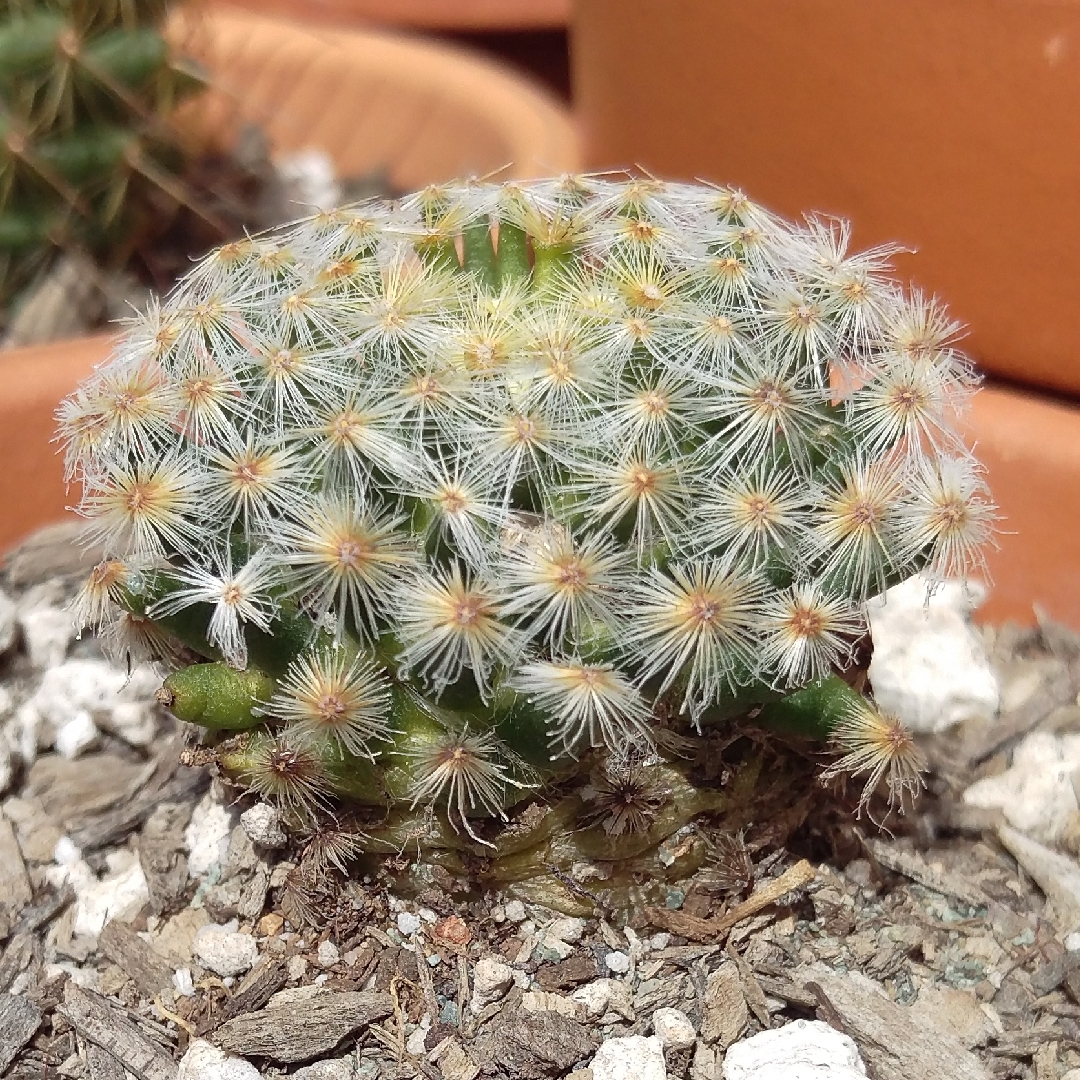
(500, 496)
(89, 156)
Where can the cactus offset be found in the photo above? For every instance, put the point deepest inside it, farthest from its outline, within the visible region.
(453, 498)
(88, 155)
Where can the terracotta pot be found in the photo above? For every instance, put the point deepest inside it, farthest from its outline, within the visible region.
(951, 126)
(423, 112)
(451, 15)
(373, 100)
(1030, 444)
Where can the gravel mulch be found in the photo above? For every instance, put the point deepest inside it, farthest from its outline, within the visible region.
(143, 914)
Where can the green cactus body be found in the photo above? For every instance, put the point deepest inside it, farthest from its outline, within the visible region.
(87, 151)
(459, 496)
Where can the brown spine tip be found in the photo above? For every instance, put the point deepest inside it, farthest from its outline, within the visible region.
(165, 697)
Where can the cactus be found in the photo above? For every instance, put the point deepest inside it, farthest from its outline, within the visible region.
(89, 156)
(504, 494)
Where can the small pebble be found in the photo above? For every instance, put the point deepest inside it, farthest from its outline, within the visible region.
(269, 925)
(262, 822)
(296, 968)
(514, 911)
(7, 622)
(631, 1057)
(1072, 942)
(491, 980)
(77, 735)
(407, 923)
(204, 1061)
(224, 952)
(182, 982)
(618, 963)
(327, 954)
(47, 633)
(794, 1049)
(414, 1044)
(566, 929)
(325, 1070)
(434, 960)
(674, 1029)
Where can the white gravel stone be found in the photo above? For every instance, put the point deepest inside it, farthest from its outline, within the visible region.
(674, 1029)
(7, 622)
(224, 951)
(1036, 794)
(491, 980)
(416, 1043)
(116, 702)
(207, 834)
(48, 632)
(183, 984)
(7, 767)
(408, 923)
(632, 1057)
(515, 911)
(119, 894)
(262, 823)
(606, 1000)
(77, 735)
(567, 929)
(1072, 942)
(136, 722)
(204, 1061)
(308, 179)
(327, 954)
(801, 1050)
(618, 963)
(929, 667)
(325, 1070)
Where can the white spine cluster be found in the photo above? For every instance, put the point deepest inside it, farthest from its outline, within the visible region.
(675, 458)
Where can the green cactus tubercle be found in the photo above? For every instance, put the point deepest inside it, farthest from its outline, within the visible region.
(88, 151)
(436, 504)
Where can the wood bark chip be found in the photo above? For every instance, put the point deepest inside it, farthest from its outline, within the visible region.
(534, 1046)
(19, 1019)
(259, 985)
(755, 996)
(22, 952)
(893, 1045)
(724, 1013)
(913, 866)
(150, 971)
(288, 1034)
(98, 1023)
(15, 890)
(168, 782)
(102, 1065)
(716, 929)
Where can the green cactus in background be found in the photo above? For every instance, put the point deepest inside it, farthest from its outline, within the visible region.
(498, 495)
(89, 156)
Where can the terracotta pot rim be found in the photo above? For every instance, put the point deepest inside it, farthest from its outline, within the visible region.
(480, 16)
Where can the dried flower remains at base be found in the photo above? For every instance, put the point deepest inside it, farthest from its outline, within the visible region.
(497, 480)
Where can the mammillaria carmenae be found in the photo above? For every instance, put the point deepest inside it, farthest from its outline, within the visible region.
(451, 494)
